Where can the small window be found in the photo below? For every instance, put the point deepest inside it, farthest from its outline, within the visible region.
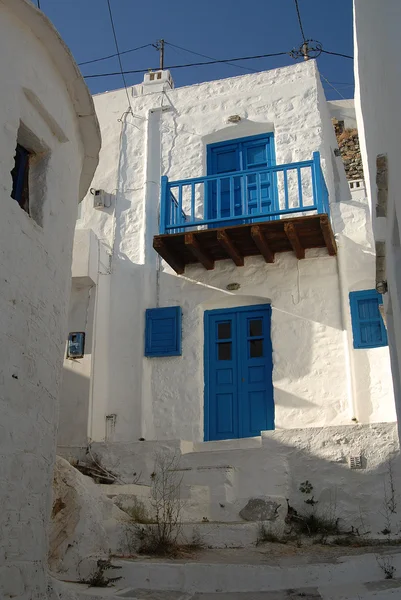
(224, 351)
(76, 345)
(20, 177)
(224, 331)
(163, 331)
(367, 324)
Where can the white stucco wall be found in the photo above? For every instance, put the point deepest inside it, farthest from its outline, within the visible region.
(319, 379)
(38, 77)
(377, 96)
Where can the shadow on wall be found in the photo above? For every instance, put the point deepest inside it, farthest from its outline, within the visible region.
(74, 409)
(359, 498)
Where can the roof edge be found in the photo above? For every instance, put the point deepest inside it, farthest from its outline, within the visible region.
(81, 98)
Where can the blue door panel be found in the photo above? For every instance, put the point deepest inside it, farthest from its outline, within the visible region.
(223, 351)
(253, 195)
(238, 373)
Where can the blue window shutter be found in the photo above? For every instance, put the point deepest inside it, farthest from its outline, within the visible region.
(367, 324)
(163, 331)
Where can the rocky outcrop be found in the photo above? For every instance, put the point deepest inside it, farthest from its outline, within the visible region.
(85, 524)
(348, 144)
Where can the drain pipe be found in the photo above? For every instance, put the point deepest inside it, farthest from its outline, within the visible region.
(348, 349)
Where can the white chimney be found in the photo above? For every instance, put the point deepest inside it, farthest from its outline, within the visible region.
(157, 81)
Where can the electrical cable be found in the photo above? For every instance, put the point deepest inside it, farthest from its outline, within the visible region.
(87, 62)
(332, 86)
(211, 62)
(118, 53)
(210, 57)
(338, 54)
(299, 21)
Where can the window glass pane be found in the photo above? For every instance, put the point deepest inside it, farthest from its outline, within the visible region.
(255, 348)
(255, 327)
(223, 330)
(224, 351)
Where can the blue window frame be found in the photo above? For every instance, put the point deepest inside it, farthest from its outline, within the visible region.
(163, 331)
(367, 324)
(20, 177)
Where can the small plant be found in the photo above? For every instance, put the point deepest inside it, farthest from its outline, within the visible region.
(137, 511)
(390, 501)
(98, 577)
(386, 565)
(161, 537)
(306, 487)
(314, 522)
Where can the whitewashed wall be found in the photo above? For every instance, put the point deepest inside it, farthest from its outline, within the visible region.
(319, 379)
(38, 75)
(377, 96)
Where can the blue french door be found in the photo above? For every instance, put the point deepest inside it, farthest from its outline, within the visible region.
(241, 196)
(238, 373)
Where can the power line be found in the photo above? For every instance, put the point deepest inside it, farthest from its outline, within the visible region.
(87, 62)
(211, 62)
(300, 21)
(332, 86)
(210, 57)
(118, 54)
(338, 54)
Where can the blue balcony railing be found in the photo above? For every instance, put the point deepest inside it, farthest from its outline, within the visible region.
(239, 197)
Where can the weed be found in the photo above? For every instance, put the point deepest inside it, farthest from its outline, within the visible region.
(98, 577)
(161, 537)
(386, 565)
(137, 511)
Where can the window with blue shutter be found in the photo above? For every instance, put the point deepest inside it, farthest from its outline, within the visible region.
(163, 331)
(367, 324)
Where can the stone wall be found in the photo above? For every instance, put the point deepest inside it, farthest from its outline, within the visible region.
(348, 143)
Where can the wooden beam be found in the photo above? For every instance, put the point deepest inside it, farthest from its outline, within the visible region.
(261, 243)
(193, 245)
(293, 238)
(328, 235)
(168, 255)
(226, 243)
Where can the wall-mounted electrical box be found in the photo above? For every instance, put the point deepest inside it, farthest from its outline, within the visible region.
(76, 345)
(101, 199)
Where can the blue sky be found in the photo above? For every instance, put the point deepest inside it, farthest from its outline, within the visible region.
(217, 28)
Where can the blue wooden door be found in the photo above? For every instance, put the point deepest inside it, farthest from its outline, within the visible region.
(238, 373)
(224, 158)
(257, 154)
(249, 195)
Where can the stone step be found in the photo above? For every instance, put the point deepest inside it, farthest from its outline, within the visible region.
(215, 576)
(224, 445)
(377, 590)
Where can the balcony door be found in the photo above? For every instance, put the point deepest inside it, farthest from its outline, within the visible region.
(243, 195)
(238, 373)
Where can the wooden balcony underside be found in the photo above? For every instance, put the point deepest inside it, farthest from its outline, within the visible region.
(251, 239)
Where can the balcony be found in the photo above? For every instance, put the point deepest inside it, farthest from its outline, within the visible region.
(245, 213)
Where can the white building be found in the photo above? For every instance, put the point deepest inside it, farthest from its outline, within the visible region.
(49, 149)
(290, 280)
(377, 93)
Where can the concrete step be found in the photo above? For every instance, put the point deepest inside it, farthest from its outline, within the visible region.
(378, 590)
(251, 573)
(221, 535)
(224, 445)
